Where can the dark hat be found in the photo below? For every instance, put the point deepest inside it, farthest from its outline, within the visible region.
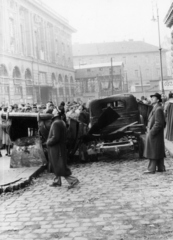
(158, 96)
(62, 103)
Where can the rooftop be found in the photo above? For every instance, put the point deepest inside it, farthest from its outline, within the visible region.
(124, 47)
(96, 65)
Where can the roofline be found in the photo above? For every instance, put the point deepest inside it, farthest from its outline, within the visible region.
(97, 65)
(163, 50)
(52, 13)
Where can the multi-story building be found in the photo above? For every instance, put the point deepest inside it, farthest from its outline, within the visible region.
(169, 23)
(36, 63)
(141, 60)
(99, 80)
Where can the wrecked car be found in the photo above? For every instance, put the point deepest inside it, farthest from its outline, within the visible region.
(116, 125)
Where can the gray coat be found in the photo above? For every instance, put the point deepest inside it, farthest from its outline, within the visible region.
(154, 145)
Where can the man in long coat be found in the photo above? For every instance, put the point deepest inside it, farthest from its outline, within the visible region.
(57, 152)
(154, 145)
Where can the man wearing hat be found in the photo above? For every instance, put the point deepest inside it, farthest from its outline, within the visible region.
(154, 145)
(57, 151)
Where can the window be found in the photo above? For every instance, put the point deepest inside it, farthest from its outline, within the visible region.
(118, 104)
(115, 105)
(6, 89)
(100, 69)
(157, 59)
(88, 70)
(146, 59)
(124, 59)
(135, 59)
(147, 73)
(42, 77)
(22, 39)
(136, 73)
(12, 34)
(29, 91)
(56, 49)
(63, 49)
(18, 90)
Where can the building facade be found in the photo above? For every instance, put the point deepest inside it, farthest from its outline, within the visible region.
(141, 60)
(169, 24)
(36, 63)
(99, 80)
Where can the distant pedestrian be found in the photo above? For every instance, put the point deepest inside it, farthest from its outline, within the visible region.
(1, 132)
(6, 141)
(170, 94)
(57, 152)
(154, 146)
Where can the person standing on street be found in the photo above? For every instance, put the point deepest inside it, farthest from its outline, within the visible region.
(154, 145)
(57, 152)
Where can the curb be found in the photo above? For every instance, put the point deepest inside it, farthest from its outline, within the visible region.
(23, 182)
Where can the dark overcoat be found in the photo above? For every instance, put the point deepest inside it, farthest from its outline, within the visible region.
(154, 145)
(57, 148)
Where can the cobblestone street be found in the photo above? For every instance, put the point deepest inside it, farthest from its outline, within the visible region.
(114, 200)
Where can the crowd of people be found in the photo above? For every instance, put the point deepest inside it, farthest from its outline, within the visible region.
(154, 145)
(68, 110)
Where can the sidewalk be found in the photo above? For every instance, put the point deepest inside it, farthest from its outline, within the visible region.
(169, 147)
(14, 178)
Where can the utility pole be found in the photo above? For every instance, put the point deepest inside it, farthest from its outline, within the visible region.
(160, 51)
(141, 80)
(112, 79)
(127, 82)
(160, 48)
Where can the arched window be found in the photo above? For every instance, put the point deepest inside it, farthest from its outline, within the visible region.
(16, 73)
(60, 82)
(63, 49)
(28, 79)
(4, 80)
(28, 75)
(57, 50)
(3, 70)
(66, 86)
(72, 86)
(17, 81)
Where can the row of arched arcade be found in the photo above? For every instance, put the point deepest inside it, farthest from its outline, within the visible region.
(17, 87)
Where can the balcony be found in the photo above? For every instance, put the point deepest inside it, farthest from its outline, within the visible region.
(17, 81)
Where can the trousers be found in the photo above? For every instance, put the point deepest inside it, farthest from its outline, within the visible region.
(156, 163)
(69, 179)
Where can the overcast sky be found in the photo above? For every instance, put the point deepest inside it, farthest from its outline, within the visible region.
(113, 20)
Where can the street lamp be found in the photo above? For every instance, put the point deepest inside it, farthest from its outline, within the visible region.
(160, 48)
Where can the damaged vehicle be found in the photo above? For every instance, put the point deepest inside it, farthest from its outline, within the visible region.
(116, 126)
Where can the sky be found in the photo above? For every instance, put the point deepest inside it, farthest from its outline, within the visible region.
(113, 20)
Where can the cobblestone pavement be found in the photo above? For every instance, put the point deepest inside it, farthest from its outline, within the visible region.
(114, 200)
